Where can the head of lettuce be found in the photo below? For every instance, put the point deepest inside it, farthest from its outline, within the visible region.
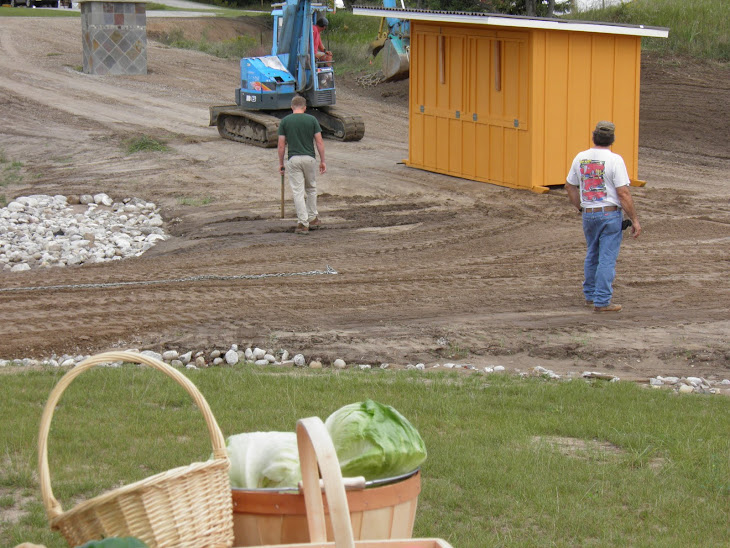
(375, 441)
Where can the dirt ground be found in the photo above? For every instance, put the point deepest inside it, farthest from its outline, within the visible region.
(429, 268)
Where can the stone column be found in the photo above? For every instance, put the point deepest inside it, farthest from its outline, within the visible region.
(114, 34)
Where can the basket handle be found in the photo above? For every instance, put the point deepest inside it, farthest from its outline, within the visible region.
(53, 507)
(316, 448)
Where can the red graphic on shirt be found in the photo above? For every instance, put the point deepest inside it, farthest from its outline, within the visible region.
(591, 175)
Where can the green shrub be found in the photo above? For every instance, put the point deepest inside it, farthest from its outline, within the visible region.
(144, 143)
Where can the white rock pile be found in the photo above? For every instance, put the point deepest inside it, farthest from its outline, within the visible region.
(44, 231)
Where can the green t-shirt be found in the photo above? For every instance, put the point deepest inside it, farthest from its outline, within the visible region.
(299, 130)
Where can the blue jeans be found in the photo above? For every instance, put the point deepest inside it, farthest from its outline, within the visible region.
(603, 240)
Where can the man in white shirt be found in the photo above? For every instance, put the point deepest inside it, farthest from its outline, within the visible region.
(598, 185)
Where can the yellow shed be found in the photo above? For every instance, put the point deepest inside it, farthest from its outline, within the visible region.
(510, 100)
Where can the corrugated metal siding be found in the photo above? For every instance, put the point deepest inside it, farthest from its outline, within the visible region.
(514, 107)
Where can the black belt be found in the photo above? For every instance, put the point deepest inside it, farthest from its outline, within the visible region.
(605, 208)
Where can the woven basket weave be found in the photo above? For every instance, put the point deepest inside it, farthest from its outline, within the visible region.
(188, 506)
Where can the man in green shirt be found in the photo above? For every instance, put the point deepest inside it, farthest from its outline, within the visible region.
(301, 132)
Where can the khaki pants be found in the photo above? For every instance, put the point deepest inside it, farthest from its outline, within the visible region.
(302, 172)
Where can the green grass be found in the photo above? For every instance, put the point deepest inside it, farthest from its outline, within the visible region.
(512, 462)
(144, 143)
(10, 172)
(194, 201)
(25, 12)
(700, 28)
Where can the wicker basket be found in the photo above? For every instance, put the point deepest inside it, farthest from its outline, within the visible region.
(188, 506)
(316, 450)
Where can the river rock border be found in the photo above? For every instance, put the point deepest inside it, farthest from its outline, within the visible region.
(255, 356)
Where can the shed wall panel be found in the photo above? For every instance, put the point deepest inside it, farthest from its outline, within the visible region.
(584, 79)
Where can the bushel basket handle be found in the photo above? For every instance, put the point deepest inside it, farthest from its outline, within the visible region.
(53, 507)
(316, 448)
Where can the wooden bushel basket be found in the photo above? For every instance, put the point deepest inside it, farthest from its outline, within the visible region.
(316, 450)
(188, 506)
(262, 517)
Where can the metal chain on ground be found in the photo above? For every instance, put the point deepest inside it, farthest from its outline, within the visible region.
(202, 277)
(372, 79)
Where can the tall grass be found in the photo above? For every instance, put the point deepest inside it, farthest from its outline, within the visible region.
(697, 28)
(511, 462)
(348, 37)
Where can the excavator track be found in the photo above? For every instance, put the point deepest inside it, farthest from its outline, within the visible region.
(252, 128)
(337, 124)
(261, 129)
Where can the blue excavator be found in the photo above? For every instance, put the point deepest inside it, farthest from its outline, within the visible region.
(394, 40)
(269, 83)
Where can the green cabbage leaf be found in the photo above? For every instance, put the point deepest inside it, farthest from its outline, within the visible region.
(263, 459)
(374, 440)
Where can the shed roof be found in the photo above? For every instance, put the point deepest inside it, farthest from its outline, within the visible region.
(516, 21)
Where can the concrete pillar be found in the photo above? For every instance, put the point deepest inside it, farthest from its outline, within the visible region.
(114, 35)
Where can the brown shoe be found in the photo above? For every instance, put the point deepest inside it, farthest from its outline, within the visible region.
(315, 223)
(589, 303)
(608, 308)
(301, 229)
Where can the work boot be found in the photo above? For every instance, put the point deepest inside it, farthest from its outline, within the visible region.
(608, 308)
(301, 229)
(589, 303)
(315, 223)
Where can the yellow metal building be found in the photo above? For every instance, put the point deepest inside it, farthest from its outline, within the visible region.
(510, 100)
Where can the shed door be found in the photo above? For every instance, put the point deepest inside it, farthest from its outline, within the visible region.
(469, 103)
(497, 100)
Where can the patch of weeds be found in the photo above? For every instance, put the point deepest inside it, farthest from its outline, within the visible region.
(3, 200)
(194, 202)
(10, 173)
(7, 501)
(53, 54)
(455, 352)
(144, 143)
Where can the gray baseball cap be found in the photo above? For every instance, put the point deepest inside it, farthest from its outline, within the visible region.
(322, 22)
(607, 128)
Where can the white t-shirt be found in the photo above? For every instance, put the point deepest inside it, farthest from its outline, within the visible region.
(598, 172)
